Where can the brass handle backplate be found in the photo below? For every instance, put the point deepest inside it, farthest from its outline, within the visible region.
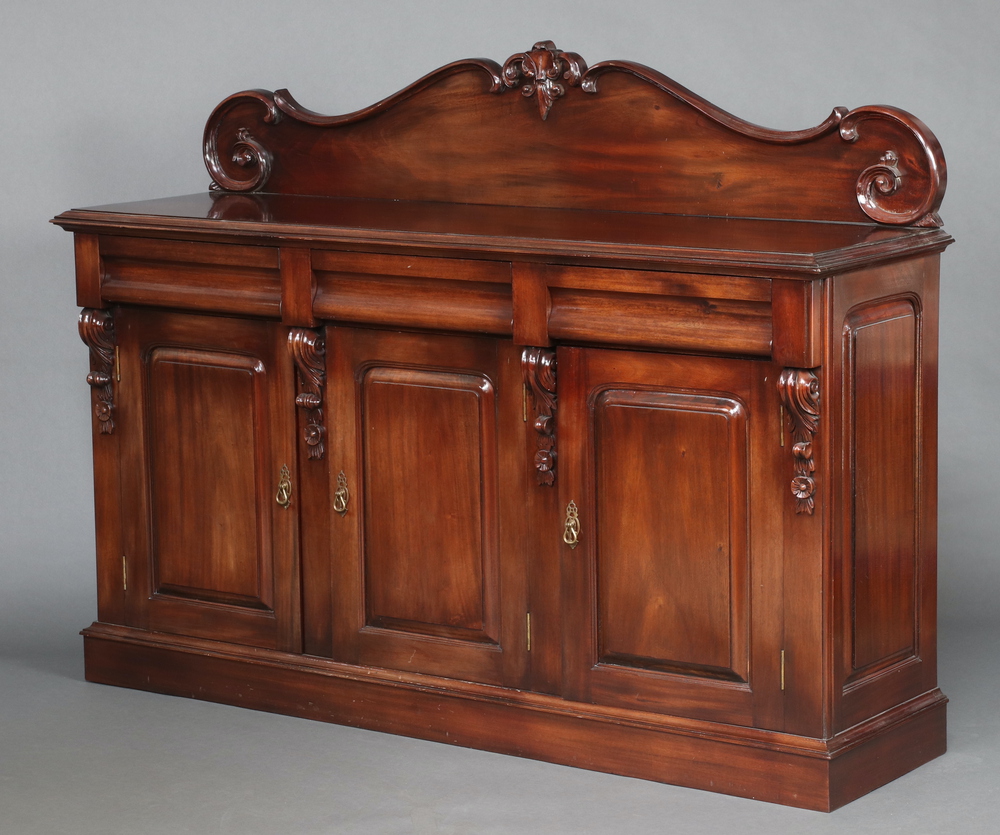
(284, 495)
(571, 534)
(342, 495)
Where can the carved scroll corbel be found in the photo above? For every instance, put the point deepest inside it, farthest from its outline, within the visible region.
(308, 350)
(97, 330)
(799, 389)
(538, 365)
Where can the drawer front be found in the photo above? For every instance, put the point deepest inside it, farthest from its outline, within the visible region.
(218, 278)
(450, 294)
(700, 314)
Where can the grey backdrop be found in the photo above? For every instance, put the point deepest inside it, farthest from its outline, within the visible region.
(106, 101)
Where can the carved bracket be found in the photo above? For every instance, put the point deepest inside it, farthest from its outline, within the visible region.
(308, 350)
(538, 365)
(539, 71)
(97, 330)
(799, 389)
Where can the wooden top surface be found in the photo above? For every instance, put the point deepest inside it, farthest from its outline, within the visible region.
(748, 246)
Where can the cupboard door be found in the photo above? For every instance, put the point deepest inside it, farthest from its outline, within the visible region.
(428, 555)
(659, 456)
(208, 426)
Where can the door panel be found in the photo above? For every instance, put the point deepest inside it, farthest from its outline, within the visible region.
(431, 523)
(209, 427)
(429, 569)
(671, 561)
(204, 409)
(658, 452)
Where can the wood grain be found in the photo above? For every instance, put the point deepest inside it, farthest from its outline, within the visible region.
(473, 415)
(657, 595)
(730, 246)
(209, 409)
(453, 137)
(435, 581)
(196, 276)
(778, 768)
(886, 545)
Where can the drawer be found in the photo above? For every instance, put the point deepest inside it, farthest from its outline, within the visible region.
(451, 294)
(702, 314)
(220, 278)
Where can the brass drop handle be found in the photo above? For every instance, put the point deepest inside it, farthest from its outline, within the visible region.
(571, 534)
(342, 495)
(284, 495)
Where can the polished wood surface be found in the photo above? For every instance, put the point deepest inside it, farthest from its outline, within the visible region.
(660, 581)
(540, 408)
(883, 374)
(205, 434)
(732, 245)
(429, 563)
(763, 765)
(455, 137)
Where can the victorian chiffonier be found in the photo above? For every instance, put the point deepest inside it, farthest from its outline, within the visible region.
(538, 408)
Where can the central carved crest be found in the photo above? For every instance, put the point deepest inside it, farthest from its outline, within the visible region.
(540, 71)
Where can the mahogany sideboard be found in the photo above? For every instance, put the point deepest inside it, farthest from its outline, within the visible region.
(538, 408)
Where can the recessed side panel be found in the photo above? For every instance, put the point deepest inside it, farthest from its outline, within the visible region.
(671, 526)
(430, 555)
(881, 340)
(209, 516)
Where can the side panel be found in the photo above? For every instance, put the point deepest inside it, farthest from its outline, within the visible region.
(884, 407)
(882, 372)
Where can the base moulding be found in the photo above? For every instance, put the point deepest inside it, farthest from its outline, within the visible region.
(781, 768)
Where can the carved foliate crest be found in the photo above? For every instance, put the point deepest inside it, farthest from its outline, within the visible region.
(541, 71)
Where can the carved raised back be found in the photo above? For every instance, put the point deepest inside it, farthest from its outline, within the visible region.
(617, 136)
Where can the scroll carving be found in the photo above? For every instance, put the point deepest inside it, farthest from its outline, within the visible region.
(539, 368)
(252, 161)
(883, 178)
(539, 72)
(799, 389)
(886, 193)
(97, 330)
(308, 350)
